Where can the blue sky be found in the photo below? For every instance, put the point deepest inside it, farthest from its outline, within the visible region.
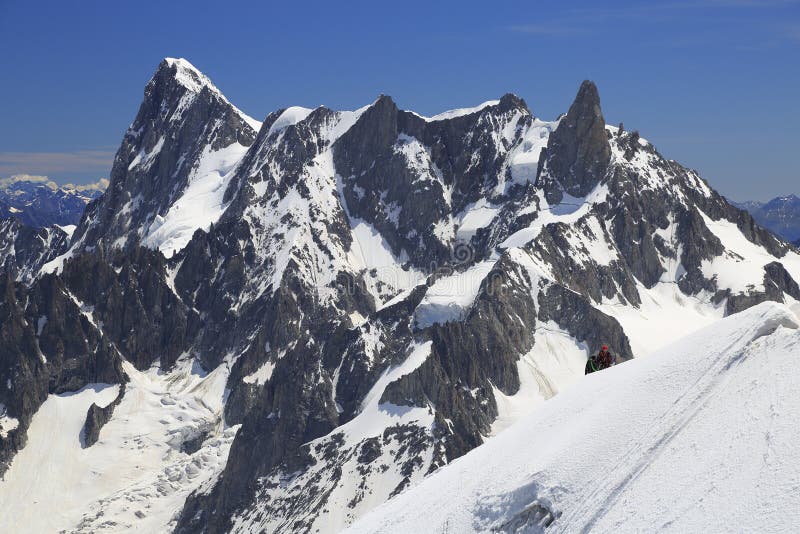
(713, 84)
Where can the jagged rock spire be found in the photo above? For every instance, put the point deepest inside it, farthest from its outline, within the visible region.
(578, 152)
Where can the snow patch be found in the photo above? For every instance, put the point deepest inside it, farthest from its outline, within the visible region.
(450, 297)
(68, 229)
(7, 423)
(291, 115)
(200, 205)
(475, 216)
(260, 376)
(460, 112)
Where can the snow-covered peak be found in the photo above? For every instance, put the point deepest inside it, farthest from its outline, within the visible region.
(790, 199)
(190, 77)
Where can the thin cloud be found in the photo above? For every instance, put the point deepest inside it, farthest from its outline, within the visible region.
(44, 163)
(101, 184)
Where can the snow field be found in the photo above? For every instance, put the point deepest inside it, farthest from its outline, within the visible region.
(136, 476)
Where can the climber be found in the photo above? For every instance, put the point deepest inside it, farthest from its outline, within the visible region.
(603, 360)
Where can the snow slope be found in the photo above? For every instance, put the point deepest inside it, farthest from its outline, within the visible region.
(710, 421)
(137, 475)
(460, 112)
(200, 205)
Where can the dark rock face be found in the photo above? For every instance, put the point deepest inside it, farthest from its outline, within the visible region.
(587, 324)
(408, 176)
(48, 345)
(128, 293)
(777, 282)
(706, 246)
(97, 417)
(285, 289)
(578, 152)
(41, 203)
(597, 281)
(469, 358)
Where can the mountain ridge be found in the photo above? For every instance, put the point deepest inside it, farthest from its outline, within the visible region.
(380, 293)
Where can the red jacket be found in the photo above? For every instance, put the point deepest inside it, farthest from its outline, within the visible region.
(604, 359)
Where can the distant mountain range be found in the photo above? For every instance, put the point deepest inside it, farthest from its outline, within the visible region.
(780, 215)
(39, 202)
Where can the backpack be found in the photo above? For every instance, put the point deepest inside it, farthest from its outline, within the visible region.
(591, 365)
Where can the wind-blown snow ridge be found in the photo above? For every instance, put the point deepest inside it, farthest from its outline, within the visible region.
(291, 115)
(460, 112)
(718, 421)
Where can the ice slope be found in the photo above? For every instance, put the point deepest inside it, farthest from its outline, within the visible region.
(201, 203)
(136, 475)
(702, 436)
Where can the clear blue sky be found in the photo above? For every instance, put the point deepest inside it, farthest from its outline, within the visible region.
(713, 84)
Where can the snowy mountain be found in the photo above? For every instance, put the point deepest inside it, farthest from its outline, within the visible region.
(37, 218)
(170, 175)
(712, 449)
(781, 215)
(38, 202)
(282, 325)
(24, 249)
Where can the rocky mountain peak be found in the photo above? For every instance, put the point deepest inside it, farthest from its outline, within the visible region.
(511, 102)
(186, 135)
(373, 132)
(588, 97)
(179, 73)
(578, 152)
